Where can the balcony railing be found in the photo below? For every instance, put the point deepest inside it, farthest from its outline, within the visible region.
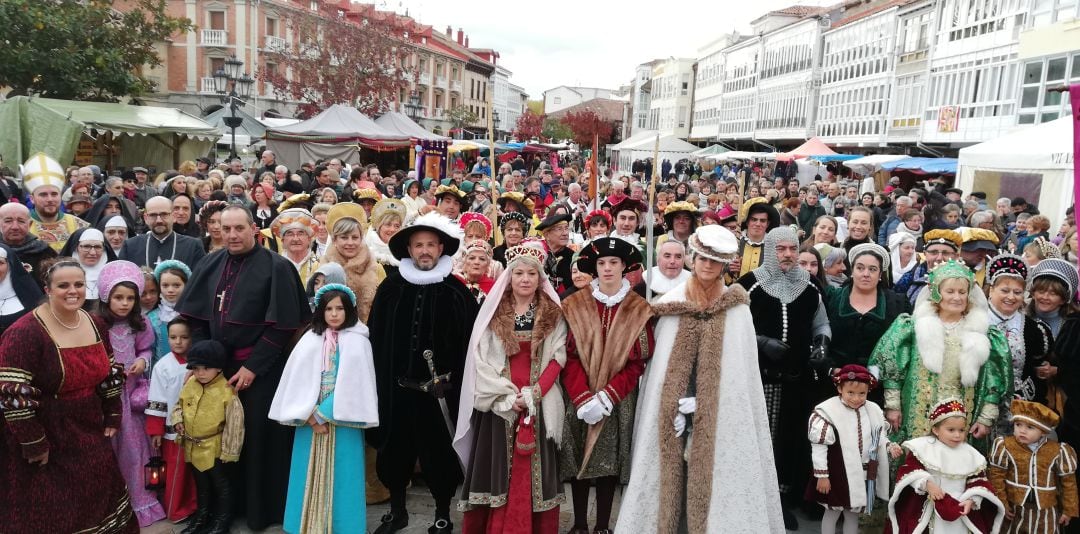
(440, 81)
(207, 85)
(214, 37)
(275, 43)
(455, 86)
(425, 78)
(438, 113)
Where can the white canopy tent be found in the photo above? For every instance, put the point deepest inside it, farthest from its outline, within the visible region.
(642, 145)
(870, 164)
(1035, 163)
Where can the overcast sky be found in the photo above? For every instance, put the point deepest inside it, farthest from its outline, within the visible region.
(591, 43)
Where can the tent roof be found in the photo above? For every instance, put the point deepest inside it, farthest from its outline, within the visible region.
(131, 120)
(1044, 146)
(251, 127)
(710, 150)
(812, 147)
(668, 143)
(397, 122)
(339, 123)
(871, 164)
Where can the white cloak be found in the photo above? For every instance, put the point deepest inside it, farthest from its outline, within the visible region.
(355, 398)
(745, 495)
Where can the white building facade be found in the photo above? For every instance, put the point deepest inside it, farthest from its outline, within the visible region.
(973, 84)
(640, 97)
(708, 88)
(562, 97)
(914, 35)
(858, 67)
(738, 98)
(671, 97)
(789, 82)
(1049, 53)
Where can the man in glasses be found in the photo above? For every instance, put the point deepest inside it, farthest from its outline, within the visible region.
(161, 243)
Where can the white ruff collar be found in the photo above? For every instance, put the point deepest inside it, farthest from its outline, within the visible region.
(612, 300)
(959, 462)
(660, 283)
(413, 275)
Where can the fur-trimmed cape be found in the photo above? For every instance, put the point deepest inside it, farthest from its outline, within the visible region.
(362, 274)
(731, 483)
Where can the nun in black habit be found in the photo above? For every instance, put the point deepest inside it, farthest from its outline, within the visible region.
(19, 293)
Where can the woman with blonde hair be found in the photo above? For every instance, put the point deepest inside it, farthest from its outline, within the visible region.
(362, 273)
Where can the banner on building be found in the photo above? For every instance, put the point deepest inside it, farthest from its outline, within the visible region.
(948, 119)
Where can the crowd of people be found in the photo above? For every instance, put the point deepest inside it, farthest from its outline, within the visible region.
(273, 338)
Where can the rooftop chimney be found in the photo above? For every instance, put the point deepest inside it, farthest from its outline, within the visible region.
(466, 41)
(460, 37)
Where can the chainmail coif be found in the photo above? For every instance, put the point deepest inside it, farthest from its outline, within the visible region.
(785, 287)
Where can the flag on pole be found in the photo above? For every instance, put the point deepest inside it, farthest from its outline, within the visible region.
(594, 170)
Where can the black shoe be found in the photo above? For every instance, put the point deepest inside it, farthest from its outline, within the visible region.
(392, 523)
(441, 526)
(198, 522)
(790, 523)
(221, 524)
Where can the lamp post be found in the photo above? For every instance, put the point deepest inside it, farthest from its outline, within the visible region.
(413, 107)
(495, 121)
(233, 95)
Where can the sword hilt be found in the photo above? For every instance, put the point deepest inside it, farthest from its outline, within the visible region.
(436, 380)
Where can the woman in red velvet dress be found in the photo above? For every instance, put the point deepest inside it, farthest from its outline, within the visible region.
(510, 416)
(60, 396)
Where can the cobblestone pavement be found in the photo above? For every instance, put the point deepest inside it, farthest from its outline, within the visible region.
(422, 514)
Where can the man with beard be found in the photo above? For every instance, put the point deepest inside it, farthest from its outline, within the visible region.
(556, 232)
(294, 228)
(161, 242)
(792, 336)
(15, 233)
(43, 178)
(420, 324)
(669, 271)
(250, 300)
(758, 217)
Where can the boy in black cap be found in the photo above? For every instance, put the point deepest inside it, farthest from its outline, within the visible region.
(210, 426)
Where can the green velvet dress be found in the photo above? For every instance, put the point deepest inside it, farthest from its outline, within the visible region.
(914, 389)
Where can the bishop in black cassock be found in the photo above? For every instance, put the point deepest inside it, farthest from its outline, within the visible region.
(252, 301)
(417, 309)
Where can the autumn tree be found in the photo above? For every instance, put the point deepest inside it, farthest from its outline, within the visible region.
(555, 130)
(341, 60)
(461, 116)
(586, 126)
(85, 50)
(529, 125)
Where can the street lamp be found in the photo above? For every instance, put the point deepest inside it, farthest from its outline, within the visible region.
(495, 122)
(413, 107)
(235, 95)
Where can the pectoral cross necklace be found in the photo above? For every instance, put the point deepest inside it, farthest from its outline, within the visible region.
(221, 301)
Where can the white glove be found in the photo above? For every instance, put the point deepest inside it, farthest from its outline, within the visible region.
(680, 424)
(687, 405)
(605, 401)
(591, 412)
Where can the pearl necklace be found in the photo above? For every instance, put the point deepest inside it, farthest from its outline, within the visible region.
(61, 323)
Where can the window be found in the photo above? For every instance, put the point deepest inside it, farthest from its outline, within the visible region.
(217, 20)
(558, 100)
(1037, 104)
(271, 26)
(216, 64)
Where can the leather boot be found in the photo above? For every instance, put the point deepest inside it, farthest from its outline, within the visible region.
(221, 522)
(201, 518)
(392, 522)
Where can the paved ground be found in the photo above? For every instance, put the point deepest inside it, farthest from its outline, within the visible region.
(422, 513)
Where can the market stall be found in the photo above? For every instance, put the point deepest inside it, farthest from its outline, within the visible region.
(643, 145)
(113, 136)
(428, 150)
(338, 132)
(1035, 163)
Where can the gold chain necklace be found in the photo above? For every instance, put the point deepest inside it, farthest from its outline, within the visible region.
(61, 323)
